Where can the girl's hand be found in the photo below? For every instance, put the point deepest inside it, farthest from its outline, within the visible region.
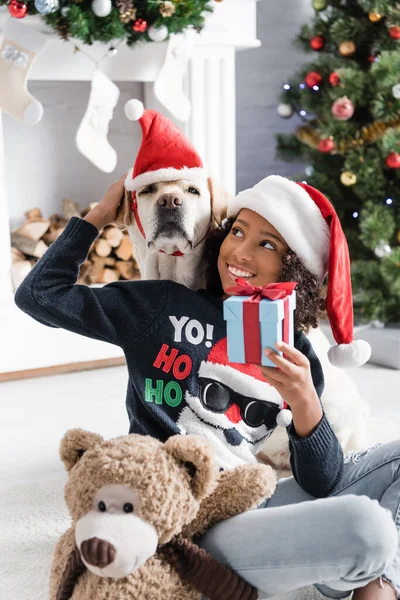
(106, 210)
(292, 379)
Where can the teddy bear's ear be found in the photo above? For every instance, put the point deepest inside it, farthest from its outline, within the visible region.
(74, 443)
(219, 200)
(196, 456)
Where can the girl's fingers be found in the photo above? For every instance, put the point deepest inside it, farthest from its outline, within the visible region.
(281, 363)
(291, 353)
(274, 375)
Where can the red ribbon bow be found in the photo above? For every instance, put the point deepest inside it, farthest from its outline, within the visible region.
(272, 291)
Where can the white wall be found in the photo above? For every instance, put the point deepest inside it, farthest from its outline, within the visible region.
(43, 165)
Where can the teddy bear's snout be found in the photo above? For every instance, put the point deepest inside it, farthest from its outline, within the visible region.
(98, 553)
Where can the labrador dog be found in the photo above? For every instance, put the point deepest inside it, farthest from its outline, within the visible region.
(168, 222)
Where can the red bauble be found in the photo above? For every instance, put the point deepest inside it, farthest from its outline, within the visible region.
(343, 109)
(334, 79)
(317, 42)
(140, 25)
(395, 32)
(326, 146)
(17, 9)
(313, 78)
(393, 160)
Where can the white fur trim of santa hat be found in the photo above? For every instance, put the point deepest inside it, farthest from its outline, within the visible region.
(292, 212)
(168, 174)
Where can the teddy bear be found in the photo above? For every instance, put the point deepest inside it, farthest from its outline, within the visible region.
(136, 504)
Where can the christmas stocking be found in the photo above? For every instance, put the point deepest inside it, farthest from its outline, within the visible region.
(18, 50)
(91, 137)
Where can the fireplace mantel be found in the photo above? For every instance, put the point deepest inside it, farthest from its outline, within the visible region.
(201, 101)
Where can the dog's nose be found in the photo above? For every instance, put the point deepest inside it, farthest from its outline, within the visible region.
(98, 553)
(170, 201)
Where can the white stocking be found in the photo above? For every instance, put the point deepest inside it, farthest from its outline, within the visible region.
(91, 137)
(18, 50)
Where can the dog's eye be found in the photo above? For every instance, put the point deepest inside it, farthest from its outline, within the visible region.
(128, 507)
(102, 507)
(193, 190)
(148, 190)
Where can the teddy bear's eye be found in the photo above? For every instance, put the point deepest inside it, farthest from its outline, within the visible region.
(102, 507)
(128, 507)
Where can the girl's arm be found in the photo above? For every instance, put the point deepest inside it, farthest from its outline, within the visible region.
(315, 453)
(117, 313)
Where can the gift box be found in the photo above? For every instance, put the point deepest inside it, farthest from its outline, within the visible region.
(257, 318)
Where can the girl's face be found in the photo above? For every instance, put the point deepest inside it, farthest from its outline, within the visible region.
(253, 250)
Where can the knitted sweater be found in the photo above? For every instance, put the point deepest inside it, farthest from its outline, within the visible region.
(174, 340)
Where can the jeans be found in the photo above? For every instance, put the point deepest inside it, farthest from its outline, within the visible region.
(338, 543)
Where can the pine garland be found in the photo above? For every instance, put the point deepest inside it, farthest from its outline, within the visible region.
(76, 19)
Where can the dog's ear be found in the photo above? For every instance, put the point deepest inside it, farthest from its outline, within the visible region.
(124, 213)
(219, 200)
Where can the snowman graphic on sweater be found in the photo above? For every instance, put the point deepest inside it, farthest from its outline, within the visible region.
(236, 409)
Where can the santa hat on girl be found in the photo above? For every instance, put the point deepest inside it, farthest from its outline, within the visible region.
(165, 154)
(236, 376)
(311, 228)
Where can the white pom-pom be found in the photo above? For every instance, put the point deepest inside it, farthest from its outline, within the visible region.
(284, 418)
(134, 110)
(349, 356)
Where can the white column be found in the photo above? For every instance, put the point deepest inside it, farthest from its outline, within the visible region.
(5, 245)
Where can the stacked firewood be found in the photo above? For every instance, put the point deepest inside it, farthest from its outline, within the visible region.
(110, 256)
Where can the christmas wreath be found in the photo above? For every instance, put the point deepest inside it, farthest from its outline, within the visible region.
(106, 20)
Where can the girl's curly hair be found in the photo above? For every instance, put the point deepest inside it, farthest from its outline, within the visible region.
(310, 295)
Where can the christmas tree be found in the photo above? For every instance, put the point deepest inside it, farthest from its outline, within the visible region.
(348, 98)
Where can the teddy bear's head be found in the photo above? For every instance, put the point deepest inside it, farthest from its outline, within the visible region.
(131, 494)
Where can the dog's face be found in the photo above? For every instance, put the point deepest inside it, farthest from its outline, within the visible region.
(175, 215)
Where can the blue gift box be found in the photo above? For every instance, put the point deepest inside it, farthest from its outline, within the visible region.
(271, 322)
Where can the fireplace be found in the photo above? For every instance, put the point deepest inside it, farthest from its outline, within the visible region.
(201, 68)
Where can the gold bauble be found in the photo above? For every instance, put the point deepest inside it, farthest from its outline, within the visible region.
(375, 17)
(347, 48)
(348, 178)
(167, 9)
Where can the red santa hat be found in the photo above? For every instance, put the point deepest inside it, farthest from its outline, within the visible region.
(165, 154)
(311, 228)
(236, 376)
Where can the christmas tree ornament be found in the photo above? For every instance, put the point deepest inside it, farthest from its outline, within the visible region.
(395, 32)
(167, 9)
(101, 8)
(326, 145)
(158, 34)
(18, 50)
(65, 10)
(18, 10)
(382, 249)
(348, 178)
(91, 137)
(343, 109)
(313, 78)
(334, 79)
(140, 26)
(396, 91)
(317, 42)
(112, 51)
(393, 160)
(319, 5)
(347, 48)
(374, 17)
(372, 58)
(285, 110)
(45, 7)
(127, 11)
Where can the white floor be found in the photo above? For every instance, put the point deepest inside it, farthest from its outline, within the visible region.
(35, 413)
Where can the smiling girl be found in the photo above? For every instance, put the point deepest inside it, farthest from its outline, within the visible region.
(180, 381)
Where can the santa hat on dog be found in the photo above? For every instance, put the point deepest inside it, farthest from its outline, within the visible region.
(165, 154)
(217, 368)
(311, 228)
